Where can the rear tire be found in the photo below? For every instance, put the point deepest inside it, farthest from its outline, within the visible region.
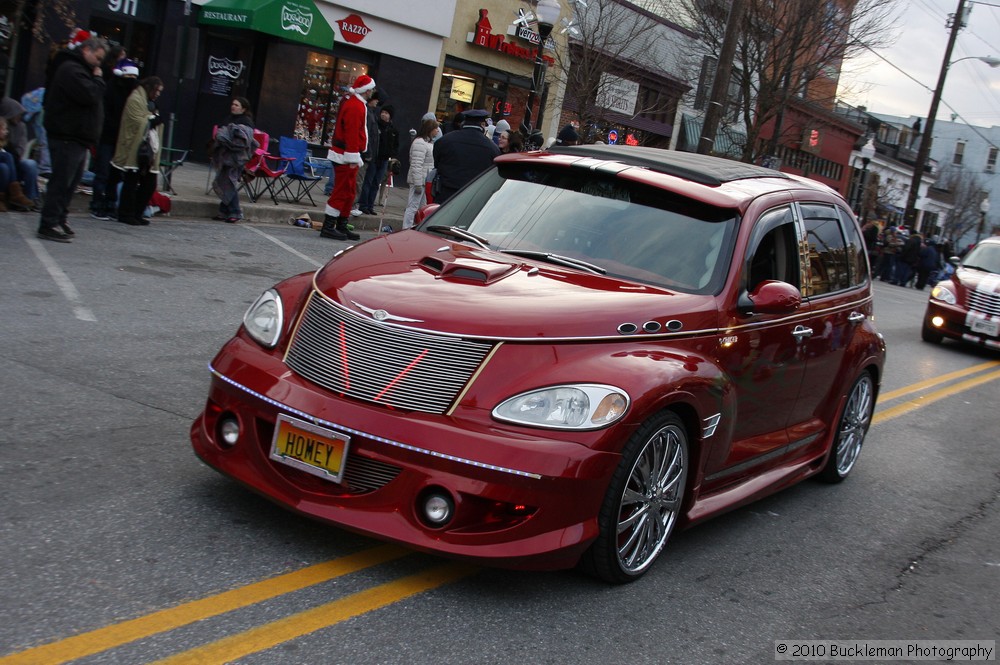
(851, 429)
(643, 501)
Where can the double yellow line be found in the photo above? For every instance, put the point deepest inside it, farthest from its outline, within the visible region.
(302, 623)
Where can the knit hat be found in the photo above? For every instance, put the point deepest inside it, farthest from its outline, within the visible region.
(566, 135)
(363, 83)
(126, 68)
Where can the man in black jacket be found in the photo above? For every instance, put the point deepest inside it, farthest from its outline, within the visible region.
(74, 116)
(459, 156)
(385, 148)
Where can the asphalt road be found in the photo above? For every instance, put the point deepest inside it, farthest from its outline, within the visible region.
(120, 547)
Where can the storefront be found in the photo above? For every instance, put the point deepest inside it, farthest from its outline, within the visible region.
(488, 64)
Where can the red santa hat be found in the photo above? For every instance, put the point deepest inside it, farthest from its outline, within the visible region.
(363, 83)
(78, 37)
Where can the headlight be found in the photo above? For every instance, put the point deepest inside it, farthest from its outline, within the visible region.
(943, 293)
(264, 318)
(585, 406)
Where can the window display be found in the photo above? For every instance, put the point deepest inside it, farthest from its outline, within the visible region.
(324, 82)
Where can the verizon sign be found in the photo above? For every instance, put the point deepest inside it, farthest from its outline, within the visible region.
(618, 94)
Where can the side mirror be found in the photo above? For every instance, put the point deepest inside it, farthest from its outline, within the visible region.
(425, 212)
(775, 297)
(954, 260)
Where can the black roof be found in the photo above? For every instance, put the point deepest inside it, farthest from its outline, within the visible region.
(702, 169)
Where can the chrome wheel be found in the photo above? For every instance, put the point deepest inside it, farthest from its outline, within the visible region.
(651, 500)
(643, 501)
(851, 429)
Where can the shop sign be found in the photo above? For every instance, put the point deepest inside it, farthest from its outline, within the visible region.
(296, 18)
(222, 73)
(617, 94)
(612, 137)
(140, 9)
(520, 29)
(812, 141)
(485, 38)
(502, 108)
(353, 29)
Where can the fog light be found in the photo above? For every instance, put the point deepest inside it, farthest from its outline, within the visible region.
(229, 431)
(937, 321)
(438, 509)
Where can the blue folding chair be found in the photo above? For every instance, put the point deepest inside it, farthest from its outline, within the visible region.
(299, 177)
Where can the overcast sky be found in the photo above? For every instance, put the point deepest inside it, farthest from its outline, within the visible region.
(972, 88)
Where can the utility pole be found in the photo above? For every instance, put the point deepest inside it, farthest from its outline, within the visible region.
(723, 74)
(909, 214)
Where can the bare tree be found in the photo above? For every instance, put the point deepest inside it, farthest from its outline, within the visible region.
(39, 15)
(966, 190)
(612, 50)
(789, 49)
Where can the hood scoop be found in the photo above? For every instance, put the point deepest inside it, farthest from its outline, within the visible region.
(467, 269)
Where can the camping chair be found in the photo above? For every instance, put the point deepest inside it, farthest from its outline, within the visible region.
(299, 177)
(263, 171)
(171, 159)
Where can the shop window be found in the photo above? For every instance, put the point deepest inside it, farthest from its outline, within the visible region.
(324, 82)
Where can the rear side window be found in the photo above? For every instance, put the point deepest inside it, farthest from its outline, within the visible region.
(857, 257)
(828, 255)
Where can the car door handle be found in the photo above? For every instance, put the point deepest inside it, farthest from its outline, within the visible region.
(801, 332)
(856, 317)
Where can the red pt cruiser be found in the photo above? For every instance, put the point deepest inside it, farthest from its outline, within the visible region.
(581, 350)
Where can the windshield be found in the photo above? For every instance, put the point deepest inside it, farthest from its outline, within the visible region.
(595, 223)
(984, 256)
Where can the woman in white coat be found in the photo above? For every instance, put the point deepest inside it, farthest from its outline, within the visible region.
(421, 162)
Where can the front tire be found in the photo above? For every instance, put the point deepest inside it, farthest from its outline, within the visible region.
(930, 334)
(851, 430)
(643, 501)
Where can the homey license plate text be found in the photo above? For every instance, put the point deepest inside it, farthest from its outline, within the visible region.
(309, 448)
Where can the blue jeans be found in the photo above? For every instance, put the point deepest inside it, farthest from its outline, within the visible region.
(27, 173)
(373, 181)
(8, 171)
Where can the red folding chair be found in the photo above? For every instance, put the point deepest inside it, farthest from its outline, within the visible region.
(264, 171)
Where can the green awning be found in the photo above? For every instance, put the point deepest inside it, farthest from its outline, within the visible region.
(294, 20)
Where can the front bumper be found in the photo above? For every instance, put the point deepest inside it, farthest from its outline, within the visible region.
(957, 324)
(522, 498)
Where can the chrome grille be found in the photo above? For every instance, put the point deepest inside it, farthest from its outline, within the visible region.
(986, 302)
(355, 356)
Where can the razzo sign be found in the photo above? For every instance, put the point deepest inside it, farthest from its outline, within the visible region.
(297, 18)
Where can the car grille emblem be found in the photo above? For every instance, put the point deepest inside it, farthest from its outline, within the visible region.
(382, 315)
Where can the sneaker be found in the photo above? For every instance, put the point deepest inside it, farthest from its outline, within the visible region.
(96, 214)
(144, 221)
(52, 234)
(66, 229)
(355, 212)
(232, 220)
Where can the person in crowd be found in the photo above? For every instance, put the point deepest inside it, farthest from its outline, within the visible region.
(511, 141)
(568, 136)
(122, 80)
(137, 152)
(387, 148)
(350, 139)
(502, 126)
(11, 196)
(930, 263)
(869, 233)
(421, 163)
(892, 241)
(908, 260)
(461, 155)
(74, 116)
(368, 155)
(22, 190)
(33, 102)
(232, 147)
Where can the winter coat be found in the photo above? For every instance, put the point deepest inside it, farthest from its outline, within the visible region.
(421, 161)
(74, 100)
(388, 141)
(135, 121)
(461, 155)
(234, 146)
(118, 91)
(350, 134)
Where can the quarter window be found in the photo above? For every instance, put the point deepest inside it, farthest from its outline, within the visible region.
(828, 255)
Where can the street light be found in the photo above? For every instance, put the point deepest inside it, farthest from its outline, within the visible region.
(984, 208)
(867, 152)
(546, 13)
(925, 139)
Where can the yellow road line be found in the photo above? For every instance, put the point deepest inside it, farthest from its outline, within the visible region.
(117, 634)
(944, 378)
(929, 398)
(269, 635)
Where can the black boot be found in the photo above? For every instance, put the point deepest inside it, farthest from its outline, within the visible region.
(342, 228)
(330, 230)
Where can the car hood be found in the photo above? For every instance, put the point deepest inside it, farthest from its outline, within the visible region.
(428, 283)
(978, 280)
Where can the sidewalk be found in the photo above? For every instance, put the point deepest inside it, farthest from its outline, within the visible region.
(190, 181)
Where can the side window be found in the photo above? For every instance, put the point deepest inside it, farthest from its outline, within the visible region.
(828, 270)
(773, 250)
(857, 259)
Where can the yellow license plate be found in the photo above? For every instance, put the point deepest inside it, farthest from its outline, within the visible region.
(309, 448)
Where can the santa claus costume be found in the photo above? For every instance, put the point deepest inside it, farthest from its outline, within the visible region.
(350, 139)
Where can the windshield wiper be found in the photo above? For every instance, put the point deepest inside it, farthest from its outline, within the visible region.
(457, 232)
(557, 258)
(972, 267)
